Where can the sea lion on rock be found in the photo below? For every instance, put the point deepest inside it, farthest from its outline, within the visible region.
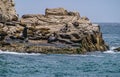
(52, 38)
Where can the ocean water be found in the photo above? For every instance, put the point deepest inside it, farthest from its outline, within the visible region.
(94, 64)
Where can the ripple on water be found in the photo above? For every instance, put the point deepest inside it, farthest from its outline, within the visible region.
(89, 65)
(60, 65)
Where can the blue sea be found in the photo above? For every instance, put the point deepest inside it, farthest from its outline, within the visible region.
(96, 64)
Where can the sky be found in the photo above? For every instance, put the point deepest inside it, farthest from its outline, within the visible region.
(95, 10)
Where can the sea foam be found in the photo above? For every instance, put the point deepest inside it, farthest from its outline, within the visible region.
(17, 53)
(111, 51)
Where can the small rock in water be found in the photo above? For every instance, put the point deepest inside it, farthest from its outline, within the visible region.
(117, 49)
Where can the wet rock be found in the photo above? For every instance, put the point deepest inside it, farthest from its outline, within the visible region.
(117, 49)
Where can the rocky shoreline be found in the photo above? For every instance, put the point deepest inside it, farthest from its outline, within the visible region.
(57, 32)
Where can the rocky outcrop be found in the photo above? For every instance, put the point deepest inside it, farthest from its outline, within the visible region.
(68, 27)
(58, 31)
(7, 11)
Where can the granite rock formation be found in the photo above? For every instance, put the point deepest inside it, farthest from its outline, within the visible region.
(58, 31)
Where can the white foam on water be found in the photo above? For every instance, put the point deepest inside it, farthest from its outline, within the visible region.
(77, 55)
(111, 51)
(96, 55)
(17, 53)
(112, 48)
(87, 55)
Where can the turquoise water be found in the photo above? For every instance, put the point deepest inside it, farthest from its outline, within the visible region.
(95, 64)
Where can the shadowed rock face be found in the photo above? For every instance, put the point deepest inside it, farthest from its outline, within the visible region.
(58, 31)
(7, 10)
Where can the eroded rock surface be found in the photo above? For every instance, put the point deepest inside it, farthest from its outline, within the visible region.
(58, 31)
(7, 11)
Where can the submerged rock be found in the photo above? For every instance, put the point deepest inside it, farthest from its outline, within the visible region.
(58, 31)
(117, 49)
